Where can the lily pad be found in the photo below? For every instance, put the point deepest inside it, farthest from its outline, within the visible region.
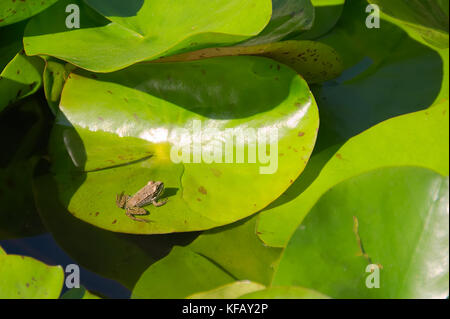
(315, 61)
(229, 291)
(142, 30)
(116, 132)
(187, 271)
(382, 234)
(27, 278)
(290, 292)
(396, 142)
(13, 11)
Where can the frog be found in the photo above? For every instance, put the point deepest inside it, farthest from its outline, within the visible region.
(149, 194)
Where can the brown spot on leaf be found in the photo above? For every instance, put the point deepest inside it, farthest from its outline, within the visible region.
(300, 134)
(115, 221)
(216, 172)
(339, 156)
(202, 190)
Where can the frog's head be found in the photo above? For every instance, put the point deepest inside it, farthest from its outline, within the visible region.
(158, 188)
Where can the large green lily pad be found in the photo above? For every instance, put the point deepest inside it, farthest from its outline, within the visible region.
(115, 132)
(142, 30)
(27, 278)
(395, 219)
(395, 142)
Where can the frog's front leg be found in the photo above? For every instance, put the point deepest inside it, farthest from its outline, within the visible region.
(159, 204)
(121, 200)
(136, 211)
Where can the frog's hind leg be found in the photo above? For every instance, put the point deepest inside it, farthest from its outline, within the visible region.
(137, 211)
(159, 204)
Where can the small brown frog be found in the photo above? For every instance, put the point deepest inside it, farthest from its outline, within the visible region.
(149, 194)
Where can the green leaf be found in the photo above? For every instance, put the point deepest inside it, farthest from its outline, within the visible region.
(79, 293)
(315, 61)
(26, 278)
(394, 218)
(20, 78)
(142, 30)
(12, 11)
(116, 132)
(289, 292)
(187, 271)
(428, 18)
(229, 291)
(288, 16)
(2, 252)
(235, 249)
(395, 142)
